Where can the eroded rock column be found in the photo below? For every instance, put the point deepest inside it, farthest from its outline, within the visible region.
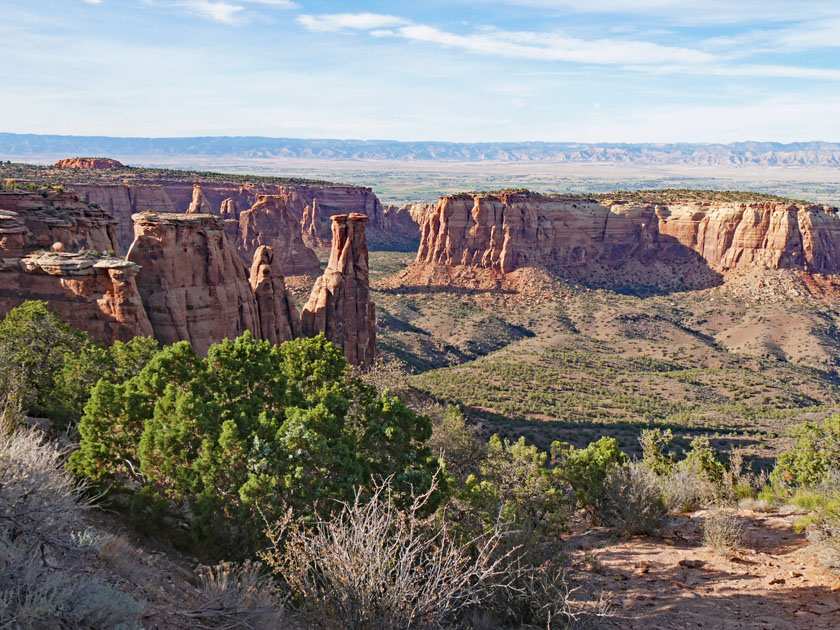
(340, 305)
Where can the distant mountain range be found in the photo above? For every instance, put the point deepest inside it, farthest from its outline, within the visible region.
(735, 154)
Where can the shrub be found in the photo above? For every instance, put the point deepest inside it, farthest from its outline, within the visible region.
(686, 490)
(815, 453)
(723, 531)
(586, 470)
(39, 547)
(654, 443)
(633, 501)
(252, 426)
(457, 444)
(236, 596)
(375, 566)
(702, 459)
(514, 488)
(36, 340)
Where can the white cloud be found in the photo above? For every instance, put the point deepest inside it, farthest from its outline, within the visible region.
(222, 11)
(557, 46)
(228, 12)
(93, 1)
(690, 12)
(634, 55)
(333, 22)
(280, 4)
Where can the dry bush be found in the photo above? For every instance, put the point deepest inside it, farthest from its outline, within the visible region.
(43, 583)
(686, 490)
(375, 567)
(236, 597)
(633, 502)
(39, 501)
(723, 531)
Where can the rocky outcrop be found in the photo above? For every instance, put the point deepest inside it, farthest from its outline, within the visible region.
(89, 163)
(33, 220)
(122, 201)
(505, 232)
(340, 305)
(194, 285)
(97, 294)
(200, 204)
(270, 222)
(278, 315)
(402, 223)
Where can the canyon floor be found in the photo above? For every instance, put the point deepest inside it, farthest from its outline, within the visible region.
(553, 359)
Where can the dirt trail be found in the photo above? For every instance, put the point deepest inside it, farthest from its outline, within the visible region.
(775, 582)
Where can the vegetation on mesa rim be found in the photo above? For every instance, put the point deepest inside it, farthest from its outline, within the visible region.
(139, 175)
(646, 196)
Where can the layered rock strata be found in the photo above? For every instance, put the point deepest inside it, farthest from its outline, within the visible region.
(194, 285)
(505, 232)
(340, 305)
(32, 220)
(97, 294)
(270, 222)
(278, 315)
(89, 163)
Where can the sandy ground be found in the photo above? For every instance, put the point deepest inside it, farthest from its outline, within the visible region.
(775, 582)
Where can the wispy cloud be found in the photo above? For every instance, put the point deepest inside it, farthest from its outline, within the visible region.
(223, 12)
(281, 4)
(558, 46)
(334, 22)
(551, 46)
(92, 1)
(689, 12)
(228, 12)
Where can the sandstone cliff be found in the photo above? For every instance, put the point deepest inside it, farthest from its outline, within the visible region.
(278, 315)
(509, 231)
(92, 293)
(89, 163)
(32, 220)
(194, 285)
(402, 223)
(270, 222)
(122, 201)
(340, 304)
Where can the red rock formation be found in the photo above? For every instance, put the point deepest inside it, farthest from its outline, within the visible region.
(32, 221)
(194, 285)
(314, 205)
(200, 204)
(91, 293)
(89, 163)
(510, 231)
(340, 304)
(122, 201)
(278, 315)
(270, 222)
(402, 223)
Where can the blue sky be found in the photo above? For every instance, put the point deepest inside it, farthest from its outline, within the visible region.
(462, 70)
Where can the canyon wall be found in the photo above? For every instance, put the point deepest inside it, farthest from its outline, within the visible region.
(94, 292)
(505, 232)
(44, 219)
(183, 277)
(270, 222)
(194, 285)
(97, 294)
(340, 305)
(311, 205)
